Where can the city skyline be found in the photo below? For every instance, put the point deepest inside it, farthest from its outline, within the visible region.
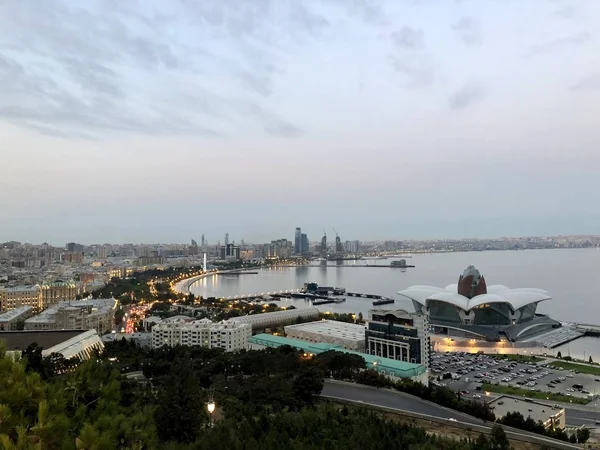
(163, 120)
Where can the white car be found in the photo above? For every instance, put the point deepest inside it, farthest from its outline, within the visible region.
(476, 396)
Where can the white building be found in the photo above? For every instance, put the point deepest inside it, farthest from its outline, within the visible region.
(70, 343)
(227, 335)
(9, 319)
(347, 335)
(83, 346)
(98, 314)
(272, 319)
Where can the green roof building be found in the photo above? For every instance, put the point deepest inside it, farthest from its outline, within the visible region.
(385, 366)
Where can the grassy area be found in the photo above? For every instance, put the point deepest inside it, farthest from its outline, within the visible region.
(574, 366)
(518, 358)
(519, 392)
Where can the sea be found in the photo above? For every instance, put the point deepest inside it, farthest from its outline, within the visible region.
(570, 275)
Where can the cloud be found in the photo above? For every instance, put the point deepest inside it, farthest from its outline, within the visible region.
(469, 31)
(557, 44)
(566, 12)
(466, 96)
(591, 82)
(417, 71)
(93, 70)
(408, 38)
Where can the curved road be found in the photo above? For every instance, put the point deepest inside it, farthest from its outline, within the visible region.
(388, 398)
(392, 399)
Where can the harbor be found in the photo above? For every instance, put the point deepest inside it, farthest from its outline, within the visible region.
(572, 304)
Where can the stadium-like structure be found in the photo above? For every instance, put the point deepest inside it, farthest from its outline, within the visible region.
(471, 309)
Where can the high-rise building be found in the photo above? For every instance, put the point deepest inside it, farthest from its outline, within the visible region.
(298, 241)
(229, 251)
(324, 245)
(304, 245)
(397, 334)
(226, 239)
(102, 252)
(194, 243)
(203, 241)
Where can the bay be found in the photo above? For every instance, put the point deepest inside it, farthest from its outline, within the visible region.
(568, 274)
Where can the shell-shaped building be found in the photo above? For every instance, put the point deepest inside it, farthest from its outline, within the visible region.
(471, 308)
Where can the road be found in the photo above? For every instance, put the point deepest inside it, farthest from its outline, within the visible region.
(387, 398)
(391, 399)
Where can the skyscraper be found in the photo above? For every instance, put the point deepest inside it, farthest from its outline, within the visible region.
(203, 241)
(298, 241)
(304, 243)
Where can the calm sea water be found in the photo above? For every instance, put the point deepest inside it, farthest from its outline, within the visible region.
(569, 275)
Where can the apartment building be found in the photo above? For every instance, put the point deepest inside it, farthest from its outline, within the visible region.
(228, 335)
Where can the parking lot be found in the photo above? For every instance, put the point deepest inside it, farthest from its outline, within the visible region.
(469, 370)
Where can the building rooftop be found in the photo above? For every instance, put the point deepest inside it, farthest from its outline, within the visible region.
(20, 340)
(332, 328)
(98, 305)
(384, 365)
(14, 313)
(538, 411)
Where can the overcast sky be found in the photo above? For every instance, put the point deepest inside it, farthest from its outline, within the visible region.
(160, 120)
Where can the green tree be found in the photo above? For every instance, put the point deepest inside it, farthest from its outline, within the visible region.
(559, 355)
(498, 438)
(591, 361)
(583, 434)
(308, 384)
(180, 413)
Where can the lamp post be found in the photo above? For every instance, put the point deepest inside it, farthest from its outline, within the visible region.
(210, 406)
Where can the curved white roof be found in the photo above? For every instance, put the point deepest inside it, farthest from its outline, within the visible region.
(516, 298)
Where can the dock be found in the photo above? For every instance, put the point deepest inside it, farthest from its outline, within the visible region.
(385, 301)
(390, 266)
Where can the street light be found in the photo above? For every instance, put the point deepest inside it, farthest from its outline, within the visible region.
(211, 406)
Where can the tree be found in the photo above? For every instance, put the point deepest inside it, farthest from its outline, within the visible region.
(590, 360)
(583, 434)
(308, 384)
(498, 438)
(573, 439)
(119, 314)
(21, 326)
(180, 412)
(559, 355)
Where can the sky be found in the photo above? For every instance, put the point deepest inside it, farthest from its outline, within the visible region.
(162, 120)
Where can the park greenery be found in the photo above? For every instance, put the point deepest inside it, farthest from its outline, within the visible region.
(582, 368)
(528, 393)
(265, 400)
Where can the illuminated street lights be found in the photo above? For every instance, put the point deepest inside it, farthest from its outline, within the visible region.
(210, 406)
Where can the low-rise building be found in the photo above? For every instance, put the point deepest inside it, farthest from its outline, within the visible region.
(10, 319)
(58, 291)
(98, 314)
(347, 335)
(227, 335)
(69, 343)
(18, 296)
(391, 368)
(552, 417)
(278, 318)
(399, 335)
